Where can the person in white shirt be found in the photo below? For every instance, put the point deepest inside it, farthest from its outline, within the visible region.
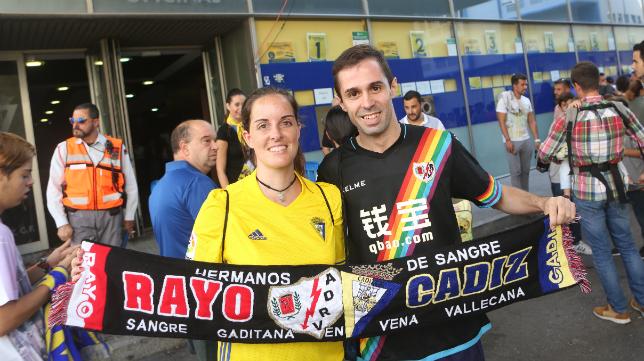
(514, 113)
(414, 113)
(21, 298)
(91, 180)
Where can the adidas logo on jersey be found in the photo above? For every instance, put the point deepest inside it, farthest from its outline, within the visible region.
(257, 235)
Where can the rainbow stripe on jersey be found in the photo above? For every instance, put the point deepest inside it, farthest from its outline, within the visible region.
(434, 148)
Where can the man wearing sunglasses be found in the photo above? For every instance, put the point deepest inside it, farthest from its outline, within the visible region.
(92, 192)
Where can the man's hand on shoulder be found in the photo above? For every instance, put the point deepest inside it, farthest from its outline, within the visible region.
(560, 210)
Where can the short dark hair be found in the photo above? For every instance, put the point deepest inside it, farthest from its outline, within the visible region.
(338, 125)
(411, 95)
(516, 77)
(586, 75)
(355, 55)
(233, 92)
(635, 87)
(563, 81)
(622, 83)
(91, 108)
(639, 47)
(564, 98)
(180, 134)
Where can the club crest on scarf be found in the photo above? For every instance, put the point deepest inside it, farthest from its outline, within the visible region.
(383, 271)
(286, 306)
(309, 305)
(424, 171)
(365, 299)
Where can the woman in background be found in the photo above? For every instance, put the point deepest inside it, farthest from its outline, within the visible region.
(338, 126)
(231, 154)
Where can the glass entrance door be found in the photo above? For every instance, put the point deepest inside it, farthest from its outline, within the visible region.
(27, 221)
(163, 87)
(57, 83)
(106, 86)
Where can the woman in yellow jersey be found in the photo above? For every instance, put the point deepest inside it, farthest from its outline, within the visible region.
(274, 216)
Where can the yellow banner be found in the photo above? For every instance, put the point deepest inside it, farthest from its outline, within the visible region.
(281, 52)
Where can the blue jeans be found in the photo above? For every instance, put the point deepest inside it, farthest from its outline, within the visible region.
(601, 221)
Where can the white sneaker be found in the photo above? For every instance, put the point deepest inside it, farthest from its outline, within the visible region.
(583, 248)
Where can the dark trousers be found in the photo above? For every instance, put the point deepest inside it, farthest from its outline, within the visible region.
(575, 228)
(206, 350)
(636, 199)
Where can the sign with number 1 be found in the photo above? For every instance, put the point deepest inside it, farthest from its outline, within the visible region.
(316, 43)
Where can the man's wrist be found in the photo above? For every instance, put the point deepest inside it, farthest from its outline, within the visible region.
(541, 203)
(43, 263)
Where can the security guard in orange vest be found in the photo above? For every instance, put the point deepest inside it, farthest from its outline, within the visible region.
(92, 191)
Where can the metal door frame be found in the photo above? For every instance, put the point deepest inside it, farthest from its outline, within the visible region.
(119, 121)
(43, 241)
(113, 100)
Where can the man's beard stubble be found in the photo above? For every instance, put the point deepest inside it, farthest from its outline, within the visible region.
(78, 133)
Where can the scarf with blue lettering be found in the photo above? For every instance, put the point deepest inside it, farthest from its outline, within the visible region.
(67, 343)
(130, 293)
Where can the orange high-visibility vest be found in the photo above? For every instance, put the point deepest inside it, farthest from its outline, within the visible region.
(93, 187)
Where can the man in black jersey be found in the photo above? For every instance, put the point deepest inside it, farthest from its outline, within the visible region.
(397, 183)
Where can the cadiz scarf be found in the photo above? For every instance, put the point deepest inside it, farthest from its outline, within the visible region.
(126, 292)
(68, 343)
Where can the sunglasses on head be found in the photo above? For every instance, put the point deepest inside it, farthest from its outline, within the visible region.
(79, 120)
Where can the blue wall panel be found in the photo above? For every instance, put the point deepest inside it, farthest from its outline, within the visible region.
(482, 106)
(542, 91)
(450, 106)
(626, 57)
(298, 76)
(599, 58)
(309, 137)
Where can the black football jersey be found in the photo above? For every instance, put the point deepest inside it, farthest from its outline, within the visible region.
(399, 203)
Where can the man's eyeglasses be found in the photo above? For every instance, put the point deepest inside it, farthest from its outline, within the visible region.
(79, 120)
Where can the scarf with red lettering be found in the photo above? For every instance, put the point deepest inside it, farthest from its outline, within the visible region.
(131, 293)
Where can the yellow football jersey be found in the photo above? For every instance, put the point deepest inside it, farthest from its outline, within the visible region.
(259, 231)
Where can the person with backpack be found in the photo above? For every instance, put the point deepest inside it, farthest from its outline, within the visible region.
(594, 134)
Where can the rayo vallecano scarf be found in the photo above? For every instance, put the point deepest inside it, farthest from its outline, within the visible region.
(126, 292)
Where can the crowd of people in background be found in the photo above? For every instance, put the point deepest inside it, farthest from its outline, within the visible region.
(208, 205)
